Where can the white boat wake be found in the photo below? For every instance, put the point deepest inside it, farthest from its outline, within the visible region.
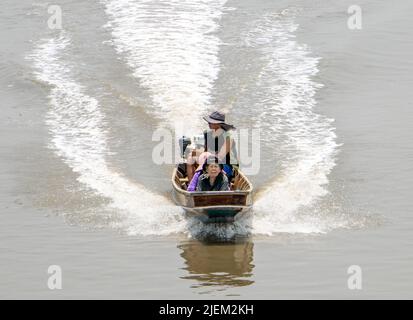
(172, 52)
(303, 142)
(171, 48)
(79, 136)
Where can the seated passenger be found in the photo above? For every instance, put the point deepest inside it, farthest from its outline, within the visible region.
(213, 179)
(198, 172)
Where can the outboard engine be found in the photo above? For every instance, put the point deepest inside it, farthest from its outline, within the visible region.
(184, 142)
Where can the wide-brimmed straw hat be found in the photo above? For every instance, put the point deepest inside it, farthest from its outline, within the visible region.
(219, 118)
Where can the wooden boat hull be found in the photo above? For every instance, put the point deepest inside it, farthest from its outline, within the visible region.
(217, 215)
(214, 206)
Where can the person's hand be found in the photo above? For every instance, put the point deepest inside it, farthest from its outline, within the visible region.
(202, 159)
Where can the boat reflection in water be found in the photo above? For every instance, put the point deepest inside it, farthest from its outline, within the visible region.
(218, 265)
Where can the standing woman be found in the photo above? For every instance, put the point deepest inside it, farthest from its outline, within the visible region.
(218, 142)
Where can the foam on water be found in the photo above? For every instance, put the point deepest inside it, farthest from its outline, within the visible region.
(79, 135)
(303, 142)
(171, 48)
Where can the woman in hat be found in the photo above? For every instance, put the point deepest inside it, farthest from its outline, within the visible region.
(218, 142)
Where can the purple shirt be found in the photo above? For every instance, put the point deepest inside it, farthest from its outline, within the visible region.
(194, 181)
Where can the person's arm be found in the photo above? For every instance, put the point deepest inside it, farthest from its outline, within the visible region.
(194, 182)
(226, 148)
